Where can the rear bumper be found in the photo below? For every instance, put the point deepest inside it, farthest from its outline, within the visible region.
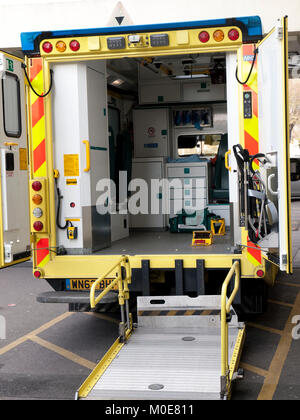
(82, 298)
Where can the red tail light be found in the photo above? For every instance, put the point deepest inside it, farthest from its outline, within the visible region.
(204, 36)
(74, 45)
(38, 226)
(47, 47)
(36, 186)
(37, 274)
(260, 273)
(233, 35)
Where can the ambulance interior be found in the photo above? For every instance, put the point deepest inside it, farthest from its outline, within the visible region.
(150, 118)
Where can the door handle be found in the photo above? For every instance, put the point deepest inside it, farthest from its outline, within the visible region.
(270, 177)
(10, 144)
(226, 160)
(87, 151)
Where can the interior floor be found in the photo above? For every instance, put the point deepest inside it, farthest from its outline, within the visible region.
(165, 242)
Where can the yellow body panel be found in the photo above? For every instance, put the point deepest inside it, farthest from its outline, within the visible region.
(94, 47)
(179, 42)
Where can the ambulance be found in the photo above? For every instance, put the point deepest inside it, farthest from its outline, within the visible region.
(159, 167)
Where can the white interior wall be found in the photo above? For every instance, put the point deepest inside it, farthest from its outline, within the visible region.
(35, 15)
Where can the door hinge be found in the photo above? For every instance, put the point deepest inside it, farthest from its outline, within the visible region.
(280, 33)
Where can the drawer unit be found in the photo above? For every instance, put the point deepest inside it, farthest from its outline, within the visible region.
(188, 194)
(187, 183)
(189, 186)
(189, 206)
(185, 171)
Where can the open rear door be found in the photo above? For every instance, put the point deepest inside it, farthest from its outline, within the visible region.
(14, 207)
(274, 139)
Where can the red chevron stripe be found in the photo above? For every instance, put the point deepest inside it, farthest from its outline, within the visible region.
(37, 111)
(36, 67)
(255, 253)
(251, 144)
(39, 155)
(42, 253)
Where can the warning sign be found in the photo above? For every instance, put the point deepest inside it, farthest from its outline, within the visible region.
(71, 165)
(120, 16)
(151, 132)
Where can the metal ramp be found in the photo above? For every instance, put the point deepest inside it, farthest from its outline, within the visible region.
(182, 349)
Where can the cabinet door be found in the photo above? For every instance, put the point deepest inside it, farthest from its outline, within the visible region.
(148, 171)
(160, 93)
(151, 132)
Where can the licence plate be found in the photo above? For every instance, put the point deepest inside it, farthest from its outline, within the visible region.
(86, 284)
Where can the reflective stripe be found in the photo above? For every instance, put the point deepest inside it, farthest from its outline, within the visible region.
(251, 133)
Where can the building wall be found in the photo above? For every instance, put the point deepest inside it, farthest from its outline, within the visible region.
(35, 15)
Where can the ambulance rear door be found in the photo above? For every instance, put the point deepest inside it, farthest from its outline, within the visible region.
(273, 115)
(14, 207)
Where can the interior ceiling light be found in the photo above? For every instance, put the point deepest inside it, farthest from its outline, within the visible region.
(117, 82)
(189, 76)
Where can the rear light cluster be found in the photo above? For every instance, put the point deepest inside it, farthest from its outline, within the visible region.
(37, 274)
(37, 206)
(219, 35)
(260, 273)
(60, 46)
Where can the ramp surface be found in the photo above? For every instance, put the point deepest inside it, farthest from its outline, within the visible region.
(174, 353)
(182, 364)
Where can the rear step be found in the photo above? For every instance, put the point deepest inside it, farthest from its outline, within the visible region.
(174, 353)
(77, 297)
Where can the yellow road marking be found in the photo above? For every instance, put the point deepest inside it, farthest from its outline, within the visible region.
(13, 345)
(265, 328)
(35, 332)
(63, 352)
(277, 302)
(254, 369)
(272, 379)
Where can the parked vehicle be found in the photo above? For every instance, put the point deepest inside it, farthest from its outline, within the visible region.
(179, 88)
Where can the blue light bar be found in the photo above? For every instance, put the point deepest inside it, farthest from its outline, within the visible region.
(250, 26)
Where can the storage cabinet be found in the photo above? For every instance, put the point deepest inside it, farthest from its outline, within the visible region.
(193, 92)
(188, 186)
(151, 132)
(156, 93)
(148, 169)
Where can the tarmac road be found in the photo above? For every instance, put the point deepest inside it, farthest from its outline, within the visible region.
(48, 352)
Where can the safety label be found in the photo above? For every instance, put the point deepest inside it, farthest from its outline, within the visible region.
(72, 181)
(71, 165)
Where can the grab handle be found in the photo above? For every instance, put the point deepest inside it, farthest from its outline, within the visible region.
(272, 176)
(226, 160)
(88, 160)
